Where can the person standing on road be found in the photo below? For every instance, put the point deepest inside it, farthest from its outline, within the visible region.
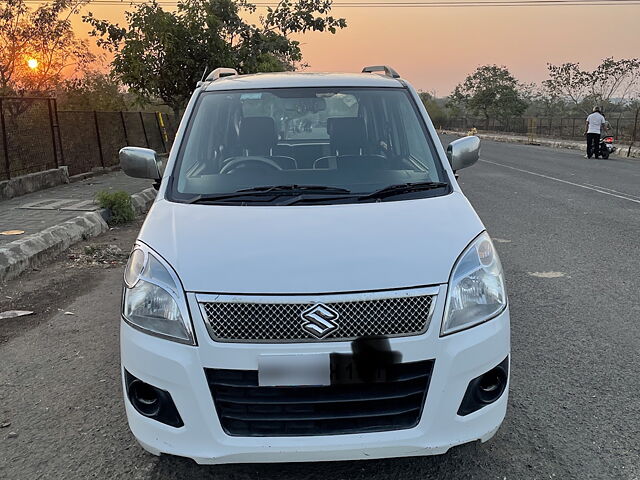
(595, 124)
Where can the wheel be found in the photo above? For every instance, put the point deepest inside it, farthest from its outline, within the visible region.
(605, 154)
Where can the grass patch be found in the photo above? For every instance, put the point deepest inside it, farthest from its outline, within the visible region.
(119, 204)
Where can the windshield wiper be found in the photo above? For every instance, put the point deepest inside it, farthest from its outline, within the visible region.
(296, 188)
(317, 198)
(403, 188)
(378, 194)
(270, 191)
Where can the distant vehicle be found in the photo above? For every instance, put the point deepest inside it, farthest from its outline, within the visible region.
(606, 146)
(331, 296)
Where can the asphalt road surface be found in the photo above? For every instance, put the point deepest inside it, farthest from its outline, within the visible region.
(567, 229)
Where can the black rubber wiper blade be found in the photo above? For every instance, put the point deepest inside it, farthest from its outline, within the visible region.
(403, 188)
(223, 196)
(296, 188)
(315, 198)
(274, 191)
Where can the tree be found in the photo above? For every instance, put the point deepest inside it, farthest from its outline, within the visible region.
(38, 47)
(92, 91)
(436, 111)
(162, 54)
(609, 84)
(546, 103)
(491, 91)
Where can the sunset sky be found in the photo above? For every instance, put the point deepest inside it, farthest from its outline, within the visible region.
(435, 48)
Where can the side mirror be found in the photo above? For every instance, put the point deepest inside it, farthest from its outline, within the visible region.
(139, 163)
(464, 152)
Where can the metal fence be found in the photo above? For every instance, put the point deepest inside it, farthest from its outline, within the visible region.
(569, 128)
(36, 136)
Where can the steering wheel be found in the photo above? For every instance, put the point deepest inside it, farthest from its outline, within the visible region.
(235, 163)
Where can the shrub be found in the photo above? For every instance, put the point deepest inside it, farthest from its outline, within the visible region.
(119, 204)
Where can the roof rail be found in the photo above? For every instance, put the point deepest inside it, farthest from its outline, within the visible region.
(221, 73)
(388, 71)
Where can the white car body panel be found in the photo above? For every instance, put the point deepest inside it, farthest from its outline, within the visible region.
(319, 249)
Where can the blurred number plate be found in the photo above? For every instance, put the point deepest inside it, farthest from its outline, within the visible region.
(294, 370)
(344, 370)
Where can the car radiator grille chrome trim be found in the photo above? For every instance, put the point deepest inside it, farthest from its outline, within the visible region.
(285, 319)
(248, 410)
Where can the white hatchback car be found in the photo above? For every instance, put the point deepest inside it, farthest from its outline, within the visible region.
(311, 283)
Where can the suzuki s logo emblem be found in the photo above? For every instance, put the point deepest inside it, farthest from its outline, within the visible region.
(319, 320)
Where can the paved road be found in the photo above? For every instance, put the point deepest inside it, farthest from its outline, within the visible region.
(567, 230)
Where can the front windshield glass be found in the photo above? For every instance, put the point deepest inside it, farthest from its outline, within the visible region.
(343, 140)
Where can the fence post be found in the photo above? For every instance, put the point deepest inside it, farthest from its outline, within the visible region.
(95, 119)
(4, 140)
(53, 132)
(531, 134)
(144, 130)
(55, 113)
(633, 135)
(124, 128)
(160, 124)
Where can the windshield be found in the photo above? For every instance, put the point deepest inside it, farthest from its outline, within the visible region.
(343, 143)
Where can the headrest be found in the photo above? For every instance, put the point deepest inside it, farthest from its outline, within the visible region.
(258, 134)
(348, 135)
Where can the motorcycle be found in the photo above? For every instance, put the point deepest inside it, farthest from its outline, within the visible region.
(606, 146)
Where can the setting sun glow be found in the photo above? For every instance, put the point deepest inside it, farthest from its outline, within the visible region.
(32, 63)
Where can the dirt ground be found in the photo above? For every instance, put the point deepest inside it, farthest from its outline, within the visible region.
(47, 289)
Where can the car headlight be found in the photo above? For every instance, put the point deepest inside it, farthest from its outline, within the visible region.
(476, 290)
(153, 299)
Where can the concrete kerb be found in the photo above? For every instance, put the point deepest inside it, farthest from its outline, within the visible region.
(33, 182)
(33, 250)
(93, 173)
(141, 202)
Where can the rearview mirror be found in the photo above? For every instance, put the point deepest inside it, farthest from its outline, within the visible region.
(464, 152)
(139, 162)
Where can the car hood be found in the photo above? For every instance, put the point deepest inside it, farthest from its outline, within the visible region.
(312, 249)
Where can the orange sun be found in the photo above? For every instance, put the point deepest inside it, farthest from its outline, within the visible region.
(32, 63)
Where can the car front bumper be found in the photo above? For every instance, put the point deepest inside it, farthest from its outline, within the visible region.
(179, 369)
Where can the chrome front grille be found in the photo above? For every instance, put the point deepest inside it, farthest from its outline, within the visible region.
(268, 319)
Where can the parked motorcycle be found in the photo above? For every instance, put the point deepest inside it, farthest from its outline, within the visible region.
(606, 146)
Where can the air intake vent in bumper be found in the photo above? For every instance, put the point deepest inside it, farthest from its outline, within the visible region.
(246, 409)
